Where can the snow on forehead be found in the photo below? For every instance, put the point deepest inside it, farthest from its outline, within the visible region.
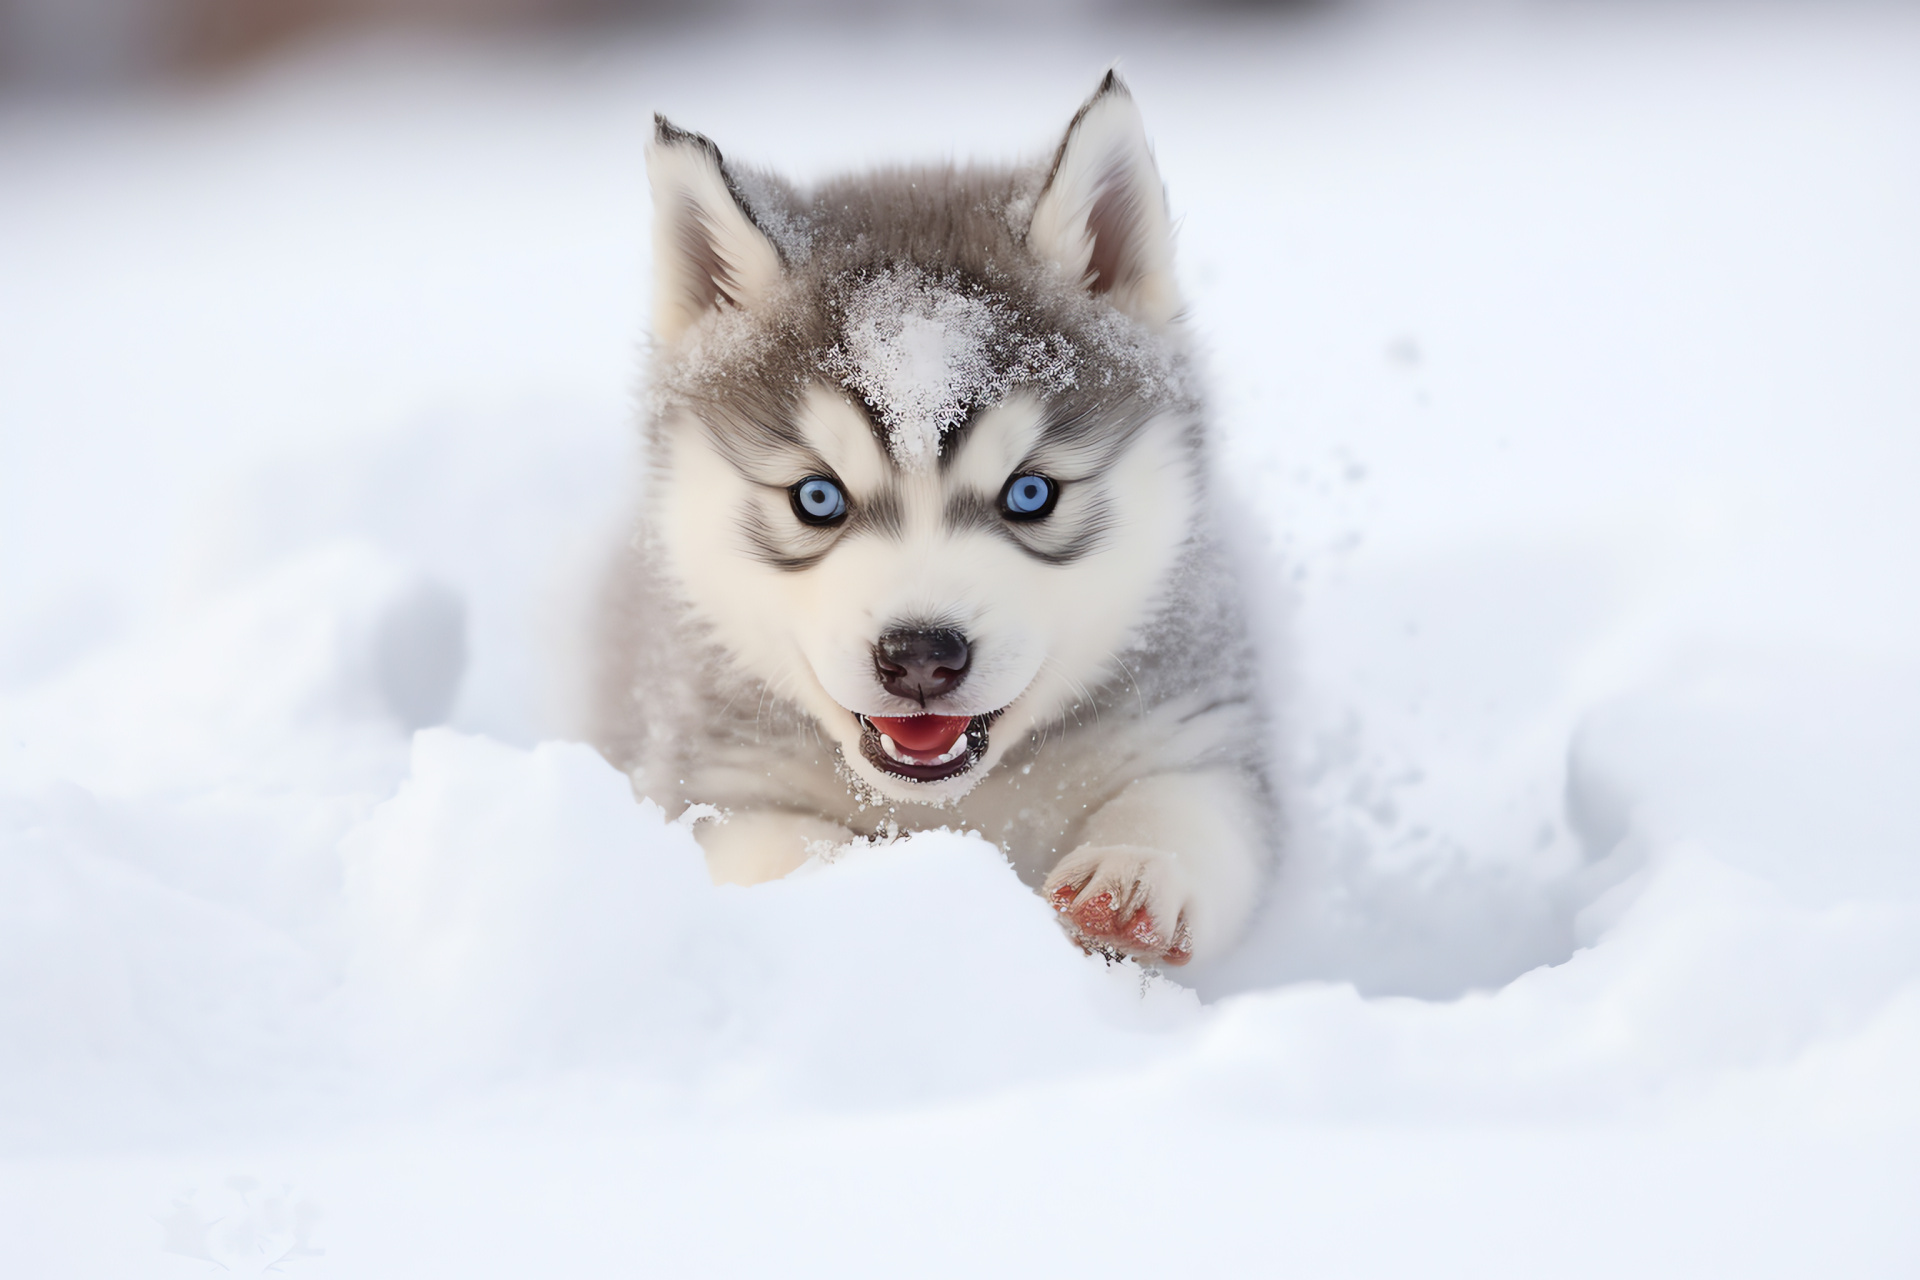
(923, 353)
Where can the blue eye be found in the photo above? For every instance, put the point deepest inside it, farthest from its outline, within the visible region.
(818, 500)
(1029, 497)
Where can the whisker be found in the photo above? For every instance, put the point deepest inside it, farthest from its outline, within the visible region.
(1084, 694)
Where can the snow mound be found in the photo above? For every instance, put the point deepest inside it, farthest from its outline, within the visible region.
(513, 910)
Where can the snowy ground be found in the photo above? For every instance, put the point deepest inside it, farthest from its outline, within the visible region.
(1568, 365)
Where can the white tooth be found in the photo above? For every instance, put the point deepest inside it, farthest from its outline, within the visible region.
(953, 752)
(886, 745)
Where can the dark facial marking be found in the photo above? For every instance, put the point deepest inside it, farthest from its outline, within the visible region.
(794, 543)
(1045, 540)
(770, 548)
(879, 513)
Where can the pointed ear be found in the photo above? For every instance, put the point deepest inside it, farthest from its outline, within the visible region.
(707, 252)
(1102, 217)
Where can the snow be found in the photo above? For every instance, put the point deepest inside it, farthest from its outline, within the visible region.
(1563, 367)
(922, 354)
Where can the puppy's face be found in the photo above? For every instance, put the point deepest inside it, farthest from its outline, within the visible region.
(921, 456)
(929, 616)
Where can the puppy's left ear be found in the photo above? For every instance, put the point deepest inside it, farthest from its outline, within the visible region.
(1102, 217)
(707, 252)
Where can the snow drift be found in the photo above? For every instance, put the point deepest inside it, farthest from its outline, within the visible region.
(1565, 398)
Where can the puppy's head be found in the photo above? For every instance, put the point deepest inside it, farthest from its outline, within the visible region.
(923, 458)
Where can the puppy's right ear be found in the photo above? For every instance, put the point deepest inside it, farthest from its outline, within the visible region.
(707, 252)
(1102, 218)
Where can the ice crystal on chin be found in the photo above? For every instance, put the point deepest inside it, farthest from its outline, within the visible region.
(922, 354)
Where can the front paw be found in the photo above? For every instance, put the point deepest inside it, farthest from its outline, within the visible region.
(751, 848)
(1123, 900)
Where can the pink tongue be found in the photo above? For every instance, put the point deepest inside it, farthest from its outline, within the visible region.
(922, 735)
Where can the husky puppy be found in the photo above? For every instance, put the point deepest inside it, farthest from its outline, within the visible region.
(926, 536)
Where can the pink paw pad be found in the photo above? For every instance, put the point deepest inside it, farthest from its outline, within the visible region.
(1100, 926)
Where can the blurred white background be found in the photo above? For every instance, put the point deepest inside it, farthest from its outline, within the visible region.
(1564, 365)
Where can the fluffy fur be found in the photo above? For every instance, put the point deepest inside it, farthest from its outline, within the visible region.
(920, 338)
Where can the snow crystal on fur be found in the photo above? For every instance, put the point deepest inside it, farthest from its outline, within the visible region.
(923, 354)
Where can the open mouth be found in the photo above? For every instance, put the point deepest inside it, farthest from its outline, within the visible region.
(924, 748)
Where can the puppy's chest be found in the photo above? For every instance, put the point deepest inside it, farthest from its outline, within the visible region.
(1032, 804)
(1034, 810)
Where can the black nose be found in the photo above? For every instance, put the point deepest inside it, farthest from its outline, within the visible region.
(920, 664)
